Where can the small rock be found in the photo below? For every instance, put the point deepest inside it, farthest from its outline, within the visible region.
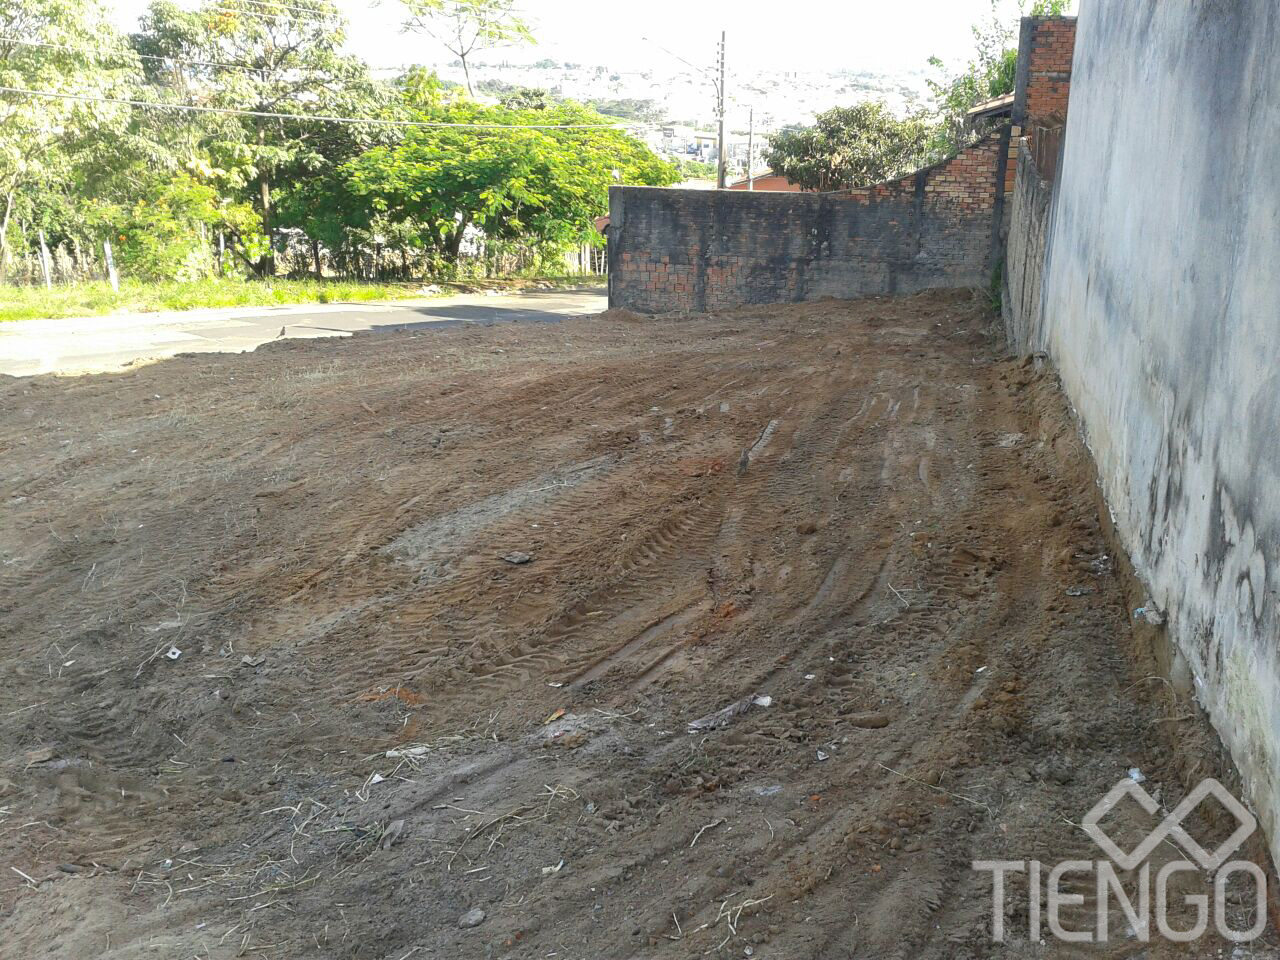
(1061, 773)
(870, 721)
(1150, 613)
(392, 835)
(472, 918)
(42, 755)
(517, 557)
(1079, 591)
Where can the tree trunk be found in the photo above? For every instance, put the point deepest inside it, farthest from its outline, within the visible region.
(45, 263)
(4, 234)
(268, 261)
(453, 242)
(264, 187)
(466, 72)
(315, 255)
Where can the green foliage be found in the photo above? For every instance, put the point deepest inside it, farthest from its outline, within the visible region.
(527, 98)
(849, 147)
(170, 189)
(265, 57)
(695, 169)
(507, 183)
(161, 237)
(40, 138)
(991, 73)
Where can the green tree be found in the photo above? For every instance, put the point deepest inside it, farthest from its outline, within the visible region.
(260, 56)
(87, 57)
(508, 182)
(465, 27)
(160, 236)
(849, 147)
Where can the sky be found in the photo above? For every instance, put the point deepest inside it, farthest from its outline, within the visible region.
(884, 36)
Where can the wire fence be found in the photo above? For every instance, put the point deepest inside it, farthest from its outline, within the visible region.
(37, 263)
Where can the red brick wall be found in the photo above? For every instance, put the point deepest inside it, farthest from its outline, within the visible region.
(1046, 48)
(966, 182)
(1052, 45)
(693, 250)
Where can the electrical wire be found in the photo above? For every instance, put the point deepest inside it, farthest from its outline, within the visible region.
(141, 56)
(401, 68)
(319, 118)
(274, 10)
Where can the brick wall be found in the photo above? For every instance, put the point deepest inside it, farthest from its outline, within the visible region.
(686, 250)
(1045, 51)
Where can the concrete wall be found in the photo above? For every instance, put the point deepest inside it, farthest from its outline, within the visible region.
(684, 250)
(1161, 307)
(1029, 221)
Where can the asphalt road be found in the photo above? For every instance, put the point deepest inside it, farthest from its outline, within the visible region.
(100, 344)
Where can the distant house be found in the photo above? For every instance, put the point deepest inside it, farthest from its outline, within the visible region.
(768, 180)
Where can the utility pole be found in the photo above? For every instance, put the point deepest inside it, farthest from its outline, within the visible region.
(721, 159)
(751, 146)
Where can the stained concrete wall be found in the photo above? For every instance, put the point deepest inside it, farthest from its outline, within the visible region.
(1161, 301)
(1029, 222)
(694, 250)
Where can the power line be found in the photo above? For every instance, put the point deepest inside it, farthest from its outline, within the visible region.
(274, 10)
(401, 68)
(141, 56)
(318, 118)
(706, 73)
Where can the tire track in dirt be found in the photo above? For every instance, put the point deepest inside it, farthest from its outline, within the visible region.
(821, 503)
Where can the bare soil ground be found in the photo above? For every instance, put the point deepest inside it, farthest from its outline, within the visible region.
(271, 690)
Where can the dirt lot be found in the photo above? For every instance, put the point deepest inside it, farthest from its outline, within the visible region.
(373, 724)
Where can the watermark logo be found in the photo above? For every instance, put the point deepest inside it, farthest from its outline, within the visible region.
(1137, 909)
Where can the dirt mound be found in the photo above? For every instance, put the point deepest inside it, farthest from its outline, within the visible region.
(621, 315)
(392, 646)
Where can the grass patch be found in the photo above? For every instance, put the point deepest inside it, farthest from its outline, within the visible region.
(91, 299)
